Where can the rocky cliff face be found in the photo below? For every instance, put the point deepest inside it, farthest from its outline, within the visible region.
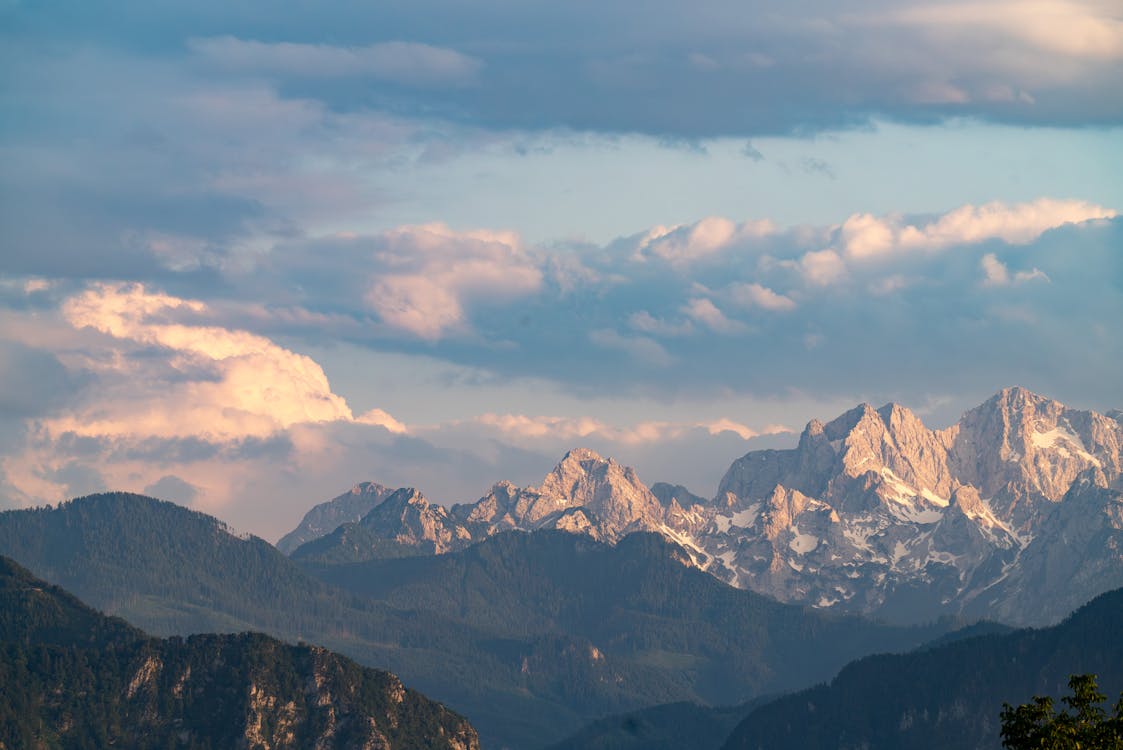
(584, 494)
(876, 513)
(74, 678)
(327, 517)
(872, 512)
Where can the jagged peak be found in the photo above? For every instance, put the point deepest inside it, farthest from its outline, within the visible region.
(840, 427)
(368, 488)
(404, 496)
(893, 414)
(581, 455)
(1016, 397)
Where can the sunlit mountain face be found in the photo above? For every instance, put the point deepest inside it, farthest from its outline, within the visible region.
(824, 296)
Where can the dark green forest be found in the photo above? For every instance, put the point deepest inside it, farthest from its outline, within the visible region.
(73, 678)
(949, 695)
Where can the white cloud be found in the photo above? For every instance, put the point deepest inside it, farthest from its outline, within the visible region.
(995, 272)
(822, 267)
(693, 242)
(702, 310)
(426, 275)
(755, 295)
(401, 62)
(210, 382)
(865, 236)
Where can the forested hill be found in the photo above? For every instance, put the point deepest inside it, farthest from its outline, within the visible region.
(944, 696)
(73, 678)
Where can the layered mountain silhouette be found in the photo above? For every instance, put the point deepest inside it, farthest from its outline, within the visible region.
(326, 517)
(529, 635)
(71, 677)
(948, 695)
(872, 513)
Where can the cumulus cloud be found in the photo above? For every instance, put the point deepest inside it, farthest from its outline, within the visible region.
(755, 295)
(425, 275)
(705, 312)
(683, 244)
(214, 383)
(865, 236)
(821, 267)
(995, 272)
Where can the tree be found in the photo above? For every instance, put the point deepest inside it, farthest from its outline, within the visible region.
(1036, 726)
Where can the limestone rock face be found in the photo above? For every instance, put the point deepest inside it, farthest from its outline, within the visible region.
(875, 513)
(409, 519)
(326, 517)
(872, 512)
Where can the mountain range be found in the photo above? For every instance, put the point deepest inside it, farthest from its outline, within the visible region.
(1015, 512)
(529, 635)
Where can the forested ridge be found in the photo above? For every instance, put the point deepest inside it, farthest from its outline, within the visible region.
(73, 678)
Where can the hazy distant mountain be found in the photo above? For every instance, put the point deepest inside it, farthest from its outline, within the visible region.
(583, 494)
(872, 513)
(945, 696)
(70, 677)
(530, 636)
(327, 517)
(405, 523)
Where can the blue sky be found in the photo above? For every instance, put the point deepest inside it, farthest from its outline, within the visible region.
(250, 257)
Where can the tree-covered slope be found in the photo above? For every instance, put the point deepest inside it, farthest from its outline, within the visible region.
(73, 678)
(530, 636)
(945, 696)
(638, 605)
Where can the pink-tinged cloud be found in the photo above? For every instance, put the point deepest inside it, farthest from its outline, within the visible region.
(705, 312)
(427, 275)
(865, 236)
(570, 429)
(211, 382)
(755, 295)
(693, 242)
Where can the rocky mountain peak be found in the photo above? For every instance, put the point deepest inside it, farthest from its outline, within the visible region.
(328, 516)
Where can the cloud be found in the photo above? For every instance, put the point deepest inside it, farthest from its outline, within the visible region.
(805, 68)
(822, 267)
(641, 348)
(755, 295)
(995, 272)
(217, 383)
(643, 322)
(425, 275)
(409, 63)
(1075, 30)
(711, 235)
(865, 236)
(702, 310)
(574, 430)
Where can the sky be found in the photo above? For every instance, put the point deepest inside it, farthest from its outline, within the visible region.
(251, 255)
